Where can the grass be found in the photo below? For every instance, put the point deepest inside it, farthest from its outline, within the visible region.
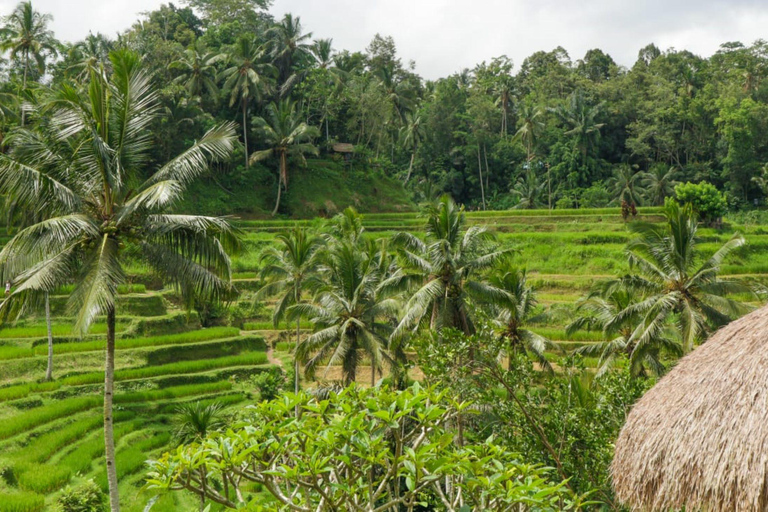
(21, 502)
(40, 330)
(28, 420)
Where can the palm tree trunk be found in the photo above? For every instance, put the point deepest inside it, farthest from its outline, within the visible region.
(49, 370)
(480, 170)
(245, 132)
(109, 437)
(24, 86)
(410, 167)
(296, 357)
(279, 190)
(487, 169)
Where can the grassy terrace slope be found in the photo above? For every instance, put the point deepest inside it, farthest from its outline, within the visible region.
(51, 432)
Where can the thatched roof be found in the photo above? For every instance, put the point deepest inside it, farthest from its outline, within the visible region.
(699, 438)
(343, 147)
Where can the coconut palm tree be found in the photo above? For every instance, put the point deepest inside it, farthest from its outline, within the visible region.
(288, 45)
(627, 184)
(660, 184)
(27, 37)
(676, 286)
(243, 79)
(444, 270)
(286, 135)
(198, 70)
(513, 306)
(95, 206)
(602, 310)
(90, 54)
(530, 190)
(290, 270)
(350, 313)
(531, 126)
(411, 134)
(580, 120)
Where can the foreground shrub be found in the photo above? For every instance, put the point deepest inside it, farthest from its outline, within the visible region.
(388, 448)
(86, 497)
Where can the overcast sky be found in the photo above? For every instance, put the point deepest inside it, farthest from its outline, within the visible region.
(444, 36)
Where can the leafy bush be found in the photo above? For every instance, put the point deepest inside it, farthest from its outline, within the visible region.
(269, 383)
(86, 497)
(708, 202)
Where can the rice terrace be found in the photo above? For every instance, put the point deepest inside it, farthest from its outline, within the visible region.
(246, 268)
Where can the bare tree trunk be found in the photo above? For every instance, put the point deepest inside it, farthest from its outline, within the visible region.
(109, 437)
(487, 169)
(480, 170)
(410, 167)
(279, 191)
(245, 133)
(24, 86)
(49, 370)
(296, 364)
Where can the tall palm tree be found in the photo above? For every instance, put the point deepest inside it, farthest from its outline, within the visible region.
(289, 44)
(531, 126)
(286, 135)
(660, 184)
(580, 120)
(514, 306)
(350, 313)
(627, 184)
(198, 68)
(90, 54)
(603, 310)
(530, 190)
(243, 78)
(290, 270)
(26, 35)
(445, 270)
(411, 134)
(677, 288)
(88, 187)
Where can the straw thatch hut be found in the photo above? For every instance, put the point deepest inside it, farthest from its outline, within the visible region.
(699, 438)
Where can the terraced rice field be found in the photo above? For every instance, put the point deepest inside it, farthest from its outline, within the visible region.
(50, 433)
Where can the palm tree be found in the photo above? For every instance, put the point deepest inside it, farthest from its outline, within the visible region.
(603, 310)
(290, 270)
(90, 54)
(531, 126)
(286, 135)
(514, 306)
(579, 119)
(660, 184)
(26, 36)
(349, 312)
(444, 270)
(529, 190)
(411, 133)
(628, 185)
(198, 68)
(88, 188)
(676, 289)
(288, 44)
(242, 80)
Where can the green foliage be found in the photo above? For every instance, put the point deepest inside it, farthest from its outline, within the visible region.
(269, 383)
(21, 502)
(86, 497)
(360, 445)
(708, 202)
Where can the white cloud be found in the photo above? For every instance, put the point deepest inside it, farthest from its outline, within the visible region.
(444, 36)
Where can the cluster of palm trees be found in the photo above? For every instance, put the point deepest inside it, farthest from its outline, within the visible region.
(672, 299)
(367, 297)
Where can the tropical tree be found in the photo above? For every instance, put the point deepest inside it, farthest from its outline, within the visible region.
(290, 270)
(677, 287)
(287, 136)
(411, 133)
(350, 312)
(196, 420)
(580, 121)
(531, 126)
(95, 205)
(603, 310)
(243, 78)
(288, 43)
(445, 269)
(90, 54)
(627, 184)
(27, 37)
(529, 190)
(660, 184)
(198, 70)
(514, 307)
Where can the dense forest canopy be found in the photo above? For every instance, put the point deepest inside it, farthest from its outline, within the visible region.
(550, 131)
